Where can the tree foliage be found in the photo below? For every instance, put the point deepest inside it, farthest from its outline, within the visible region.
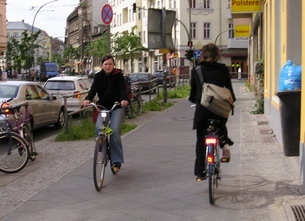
(22, 52)
(98, 48)
(127, 43)
(71, 53)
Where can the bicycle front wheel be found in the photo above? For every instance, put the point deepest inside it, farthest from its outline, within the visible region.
(212, 183)
(99, 162)
(28, 135)
(14, 154)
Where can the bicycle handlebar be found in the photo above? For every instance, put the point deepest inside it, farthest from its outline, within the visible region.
(98, 107)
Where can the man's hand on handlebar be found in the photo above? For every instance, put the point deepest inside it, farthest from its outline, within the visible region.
(85, 103)
(124, 103)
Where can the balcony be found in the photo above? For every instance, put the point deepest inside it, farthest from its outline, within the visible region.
(237, 42)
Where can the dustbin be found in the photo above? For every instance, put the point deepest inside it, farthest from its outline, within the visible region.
(290, 119)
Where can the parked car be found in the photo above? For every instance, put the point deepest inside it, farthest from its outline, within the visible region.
(44, 109)
(69, 85)
(170, 78)
(145, 80)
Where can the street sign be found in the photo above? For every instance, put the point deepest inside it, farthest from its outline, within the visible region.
(107, 14)
(197, 54)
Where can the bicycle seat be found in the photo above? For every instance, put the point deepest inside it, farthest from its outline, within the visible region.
(213, 121)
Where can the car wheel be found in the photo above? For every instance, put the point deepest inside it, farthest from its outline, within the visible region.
(61, 120)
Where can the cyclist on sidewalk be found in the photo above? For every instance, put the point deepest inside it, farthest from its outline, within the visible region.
(218, 74)
(110, 86)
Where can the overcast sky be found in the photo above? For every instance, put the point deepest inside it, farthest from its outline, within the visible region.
(51, 17)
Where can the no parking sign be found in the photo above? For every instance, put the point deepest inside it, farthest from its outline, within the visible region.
(107, 14)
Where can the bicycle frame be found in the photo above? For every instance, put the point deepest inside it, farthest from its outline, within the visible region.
(102, 148)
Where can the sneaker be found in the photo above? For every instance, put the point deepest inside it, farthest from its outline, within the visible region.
(226, 154)
(115, 168)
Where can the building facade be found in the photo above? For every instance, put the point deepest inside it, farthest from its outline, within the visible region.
(47, 45)
(198, 21)
(2, 33)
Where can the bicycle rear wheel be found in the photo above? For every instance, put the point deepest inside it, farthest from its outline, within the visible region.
(137, 105)
(14, 154)
(28, 135)
(100, 161)
(212, 183)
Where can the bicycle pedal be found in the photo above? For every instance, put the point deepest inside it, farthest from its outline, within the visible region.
(225, 160)
(34, 154)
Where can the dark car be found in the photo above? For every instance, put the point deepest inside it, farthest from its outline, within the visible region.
(145, 81)
(170, 78)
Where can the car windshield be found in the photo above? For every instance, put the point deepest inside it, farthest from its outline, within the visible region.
(139, 77)
(158, 74)
(8, 91)
(59, 85)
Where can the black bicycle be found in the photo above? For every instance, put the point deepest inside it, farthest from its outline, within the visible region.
(135, 102)
(102, 151)
(213, 157)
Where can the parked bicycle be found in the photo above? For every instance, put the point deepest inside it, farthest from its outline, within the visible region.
(21, 124)
(213, 157)
(102, 146)
(14, 149)
(135, 105)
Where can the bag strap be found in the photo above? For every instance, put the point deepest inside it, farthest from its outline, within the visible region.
(199, 73)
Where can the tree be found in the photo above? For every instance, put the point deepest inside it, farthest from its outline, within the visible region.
(127, 44)
(98, 48)
(22, 52)
(71, 53)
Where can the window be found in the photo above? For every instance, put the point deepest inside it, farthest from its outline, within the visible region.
(15, 34)
(206, 4)
(175, 4)
(139, 13)
(206, 30)
(193, 3)
(170, 4)
(193, 30)
(231, 31)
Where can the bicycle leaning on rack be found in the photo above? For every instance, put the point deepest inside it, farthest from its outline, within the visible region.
(135, 102)
(14, 148)
(21, 124)
(102, 153)
(213, 159)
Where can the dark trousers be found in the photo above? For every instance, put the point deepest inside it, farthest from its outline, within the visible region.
(200, 164)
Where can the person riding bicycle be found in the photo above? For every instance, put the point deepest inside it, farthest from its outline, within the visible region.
(218, 74)
(110, 86)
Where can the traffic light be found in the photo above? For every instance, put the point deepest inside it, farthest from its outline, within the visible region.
(134, 8)
(189, 55)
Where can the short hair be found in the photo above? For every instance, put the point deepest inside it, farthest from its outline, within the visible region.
(210, 51)
(108, 57)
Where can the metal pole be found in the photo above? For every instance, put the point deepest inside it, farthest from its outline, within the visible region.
(109, 51)
(164, 55)
(32, 46)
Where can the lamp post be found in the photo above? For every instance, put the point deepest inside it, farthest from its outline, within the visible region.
(32, 46)
(222, 33)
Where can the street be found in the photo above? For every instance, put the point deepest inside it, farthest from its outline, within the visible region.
(157, 181)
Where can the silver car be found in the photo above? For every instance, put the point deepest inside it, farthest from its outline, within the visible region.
(69, 85)
(45, 110)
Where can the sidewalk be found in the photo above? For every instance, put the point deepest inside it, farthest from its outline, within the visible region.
(157, 181)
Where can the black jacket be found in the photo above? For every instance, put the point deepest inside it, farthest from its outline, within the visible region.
(109, 87)
(215, 73)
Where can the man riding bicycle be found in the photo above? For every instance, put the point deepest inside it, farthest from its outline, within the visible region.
(218, 74)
